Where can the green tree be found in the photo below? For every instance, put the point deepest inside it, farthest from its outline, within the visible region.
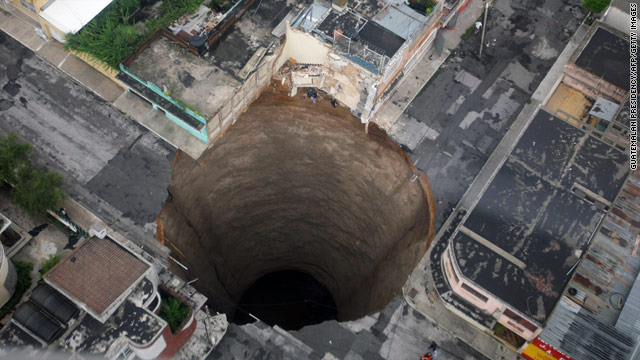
(595, 6)
(174, 311)
(38, 192)
(52, 261)
(14, 157)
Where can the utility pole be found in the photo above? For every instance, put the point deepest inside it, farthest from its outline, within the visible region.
(484, 26)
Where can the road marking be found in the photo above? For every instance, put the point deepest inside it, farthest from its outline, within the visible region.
(63, 60)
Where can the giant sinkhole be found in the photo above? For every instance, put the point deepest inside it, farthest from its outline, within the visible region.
(298, 215)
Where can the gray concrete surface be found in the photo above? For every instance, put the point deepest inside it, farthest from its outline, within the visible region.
(20, 27)
(398, 332)
(113, 166)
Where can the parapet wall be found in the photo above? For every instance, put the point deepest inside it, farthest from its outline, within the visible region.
(591, 85)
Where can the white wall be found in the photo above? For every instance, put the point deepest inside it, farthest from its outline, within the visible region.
(617, 19)
(5, 267)
(303, 48)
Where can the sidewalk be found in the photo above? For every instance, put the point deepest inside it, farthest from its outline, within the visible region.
(413, 82)
(22, 28)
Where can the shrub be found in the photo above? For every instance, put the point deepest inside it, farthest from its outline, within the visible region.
(23, 269)
(38, 192)
(14, 157)
(222, 5)
(174, 311)
(468, 32)
(52, 261)
(595, 6)
(424, 6)
(33, 190)
(111, 36)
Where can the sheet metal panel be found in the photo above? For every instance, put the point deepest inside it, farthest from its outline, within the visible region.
(400, 20)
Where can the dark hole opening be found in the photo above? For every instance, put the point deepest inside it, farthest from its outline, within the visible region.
(290, 299)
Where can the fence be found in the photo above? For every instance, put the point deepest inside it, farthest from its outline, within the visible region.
(359, 53)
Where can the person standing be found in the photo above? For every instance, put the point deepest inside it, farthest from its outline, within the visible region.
(427, 356)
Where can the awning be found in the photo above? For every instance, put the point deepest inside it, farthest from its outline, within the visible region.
(69, 16)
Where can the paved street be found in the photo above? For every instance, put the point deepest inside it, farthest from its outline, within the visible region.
(112, 165)
(457, 120)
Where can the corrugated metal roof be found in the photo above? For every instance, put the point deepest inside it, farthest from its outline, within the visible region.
(608, 269)
(399, 19)
(604, 109)
(311, 17)
(579, 334)
(629, 320)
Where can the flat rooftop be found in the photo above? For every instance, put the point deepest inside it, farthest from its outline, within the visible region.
(251, 32)
(97, 274)
(529, 228)
(184, 75)
(135, 323)
(380, 40)
(348, 23)
(607, 56)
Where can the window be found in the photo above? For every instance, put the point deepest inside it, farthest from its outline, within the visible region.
(27, 5)
(475, 292)
(515, 317)
(125, 353)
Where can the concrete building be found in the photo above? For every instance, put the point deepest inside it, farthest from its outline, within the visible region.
(368, 46)
(104, 299)
(554, 214)
(353, 52)
(617, 14)
(597, 315)
(594, 87)
(8, 276)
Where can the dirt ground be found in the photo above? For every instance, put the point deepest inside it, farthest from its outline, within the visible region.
(295, 185)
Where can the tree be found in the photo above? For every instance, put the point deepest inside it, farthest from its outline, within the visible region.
(52, 261)
(38, 192)
(174, 311)
(14, 158)
(595, 6)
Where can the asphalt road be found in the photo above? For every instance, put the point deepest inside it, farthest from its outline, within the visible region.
(469, 104)
(110, 164)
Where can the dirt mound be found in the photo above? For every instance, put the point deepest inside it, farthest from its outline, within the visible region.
(300, 186)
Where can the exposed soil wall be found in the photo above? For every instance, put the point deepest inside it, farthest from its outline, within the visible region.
(300, 186)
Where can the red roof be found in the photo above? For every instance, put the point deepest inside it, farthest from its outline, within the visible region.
(97, 273)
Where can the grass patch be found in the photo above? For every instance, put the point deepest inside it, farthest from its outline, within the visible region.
(52, 261)
(23, 269)
(468, 32)
(174, 311)
(34, 190)
(222, 5)
(112, 36)
(423, 6)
